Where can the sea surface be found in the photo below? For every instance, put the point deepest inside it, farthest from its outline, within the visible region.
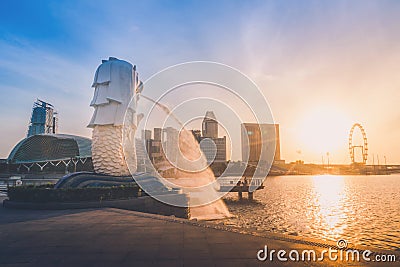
(363, 210)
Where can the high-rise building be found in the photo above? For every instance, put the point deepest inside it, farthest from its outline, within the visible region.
(151, 146)
(214, 148)
(43, 119)
(260, 142)
(156, 145)
(146, 134)
(157, 134)
(210, 125)
(170, 144)
(147, 141)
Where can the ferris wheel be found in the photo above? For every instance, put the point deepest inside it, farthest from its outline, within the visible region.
(364, 146)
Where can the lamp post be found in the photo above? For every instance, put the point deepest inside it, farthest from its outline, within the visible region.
(327, 155)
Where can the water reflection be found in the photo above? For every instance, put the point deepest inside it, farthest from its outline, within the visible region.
(329, 198)
(364, 210)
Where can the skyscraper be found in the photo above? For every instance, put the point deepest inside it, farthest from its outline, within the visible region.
(259, 142)
(157, 134)
(213, 147)
(43, 119)
(210, 125)
(146, 134)
(170, 144)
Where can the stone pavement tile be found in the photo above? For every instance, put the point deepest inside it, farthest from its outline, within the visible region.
(240, 263)
(80, 263)
(197, 249)
(170, 253)
(50, 259)
(16, 258)
(233, 253)
(79, 259)
(168, 246)
(135, 254)
(168, 263)
(195, 254)
(17, 265)
(153, 263)
(220, 240)
(205, 262)
(195, 243)
(177, 237)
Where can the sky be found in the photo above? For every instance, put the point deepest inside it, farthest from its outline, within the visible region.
(322, 65)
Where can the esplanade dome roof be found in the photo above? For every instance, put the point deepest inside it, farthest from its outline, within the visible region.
(47, 147)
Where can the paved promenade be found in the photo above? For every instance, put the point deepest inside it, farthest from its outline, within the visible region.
(114, 237)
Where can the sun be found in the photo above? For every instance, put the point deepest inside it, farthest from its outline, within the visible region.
(323, 129)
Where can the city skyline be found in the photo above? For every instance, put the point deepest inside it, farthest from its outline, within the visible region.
(322, 66)
(213, 146)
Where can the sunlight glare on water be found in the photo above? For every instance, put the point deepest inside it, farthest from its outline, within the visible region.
(363, 210)
(328, 202)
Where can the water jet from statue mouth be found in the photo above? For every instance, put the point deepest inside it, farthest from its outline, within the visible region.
(200, 185)
(164, 108)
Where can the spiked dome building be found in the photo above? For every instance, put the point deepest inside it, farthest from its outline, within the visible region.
(44, 153)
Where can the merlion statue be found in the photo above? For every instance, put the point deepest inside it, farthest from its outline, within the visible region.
(116, 82)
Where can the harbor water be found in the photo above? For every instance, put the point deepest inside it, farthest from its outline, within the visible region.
(363, 210)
